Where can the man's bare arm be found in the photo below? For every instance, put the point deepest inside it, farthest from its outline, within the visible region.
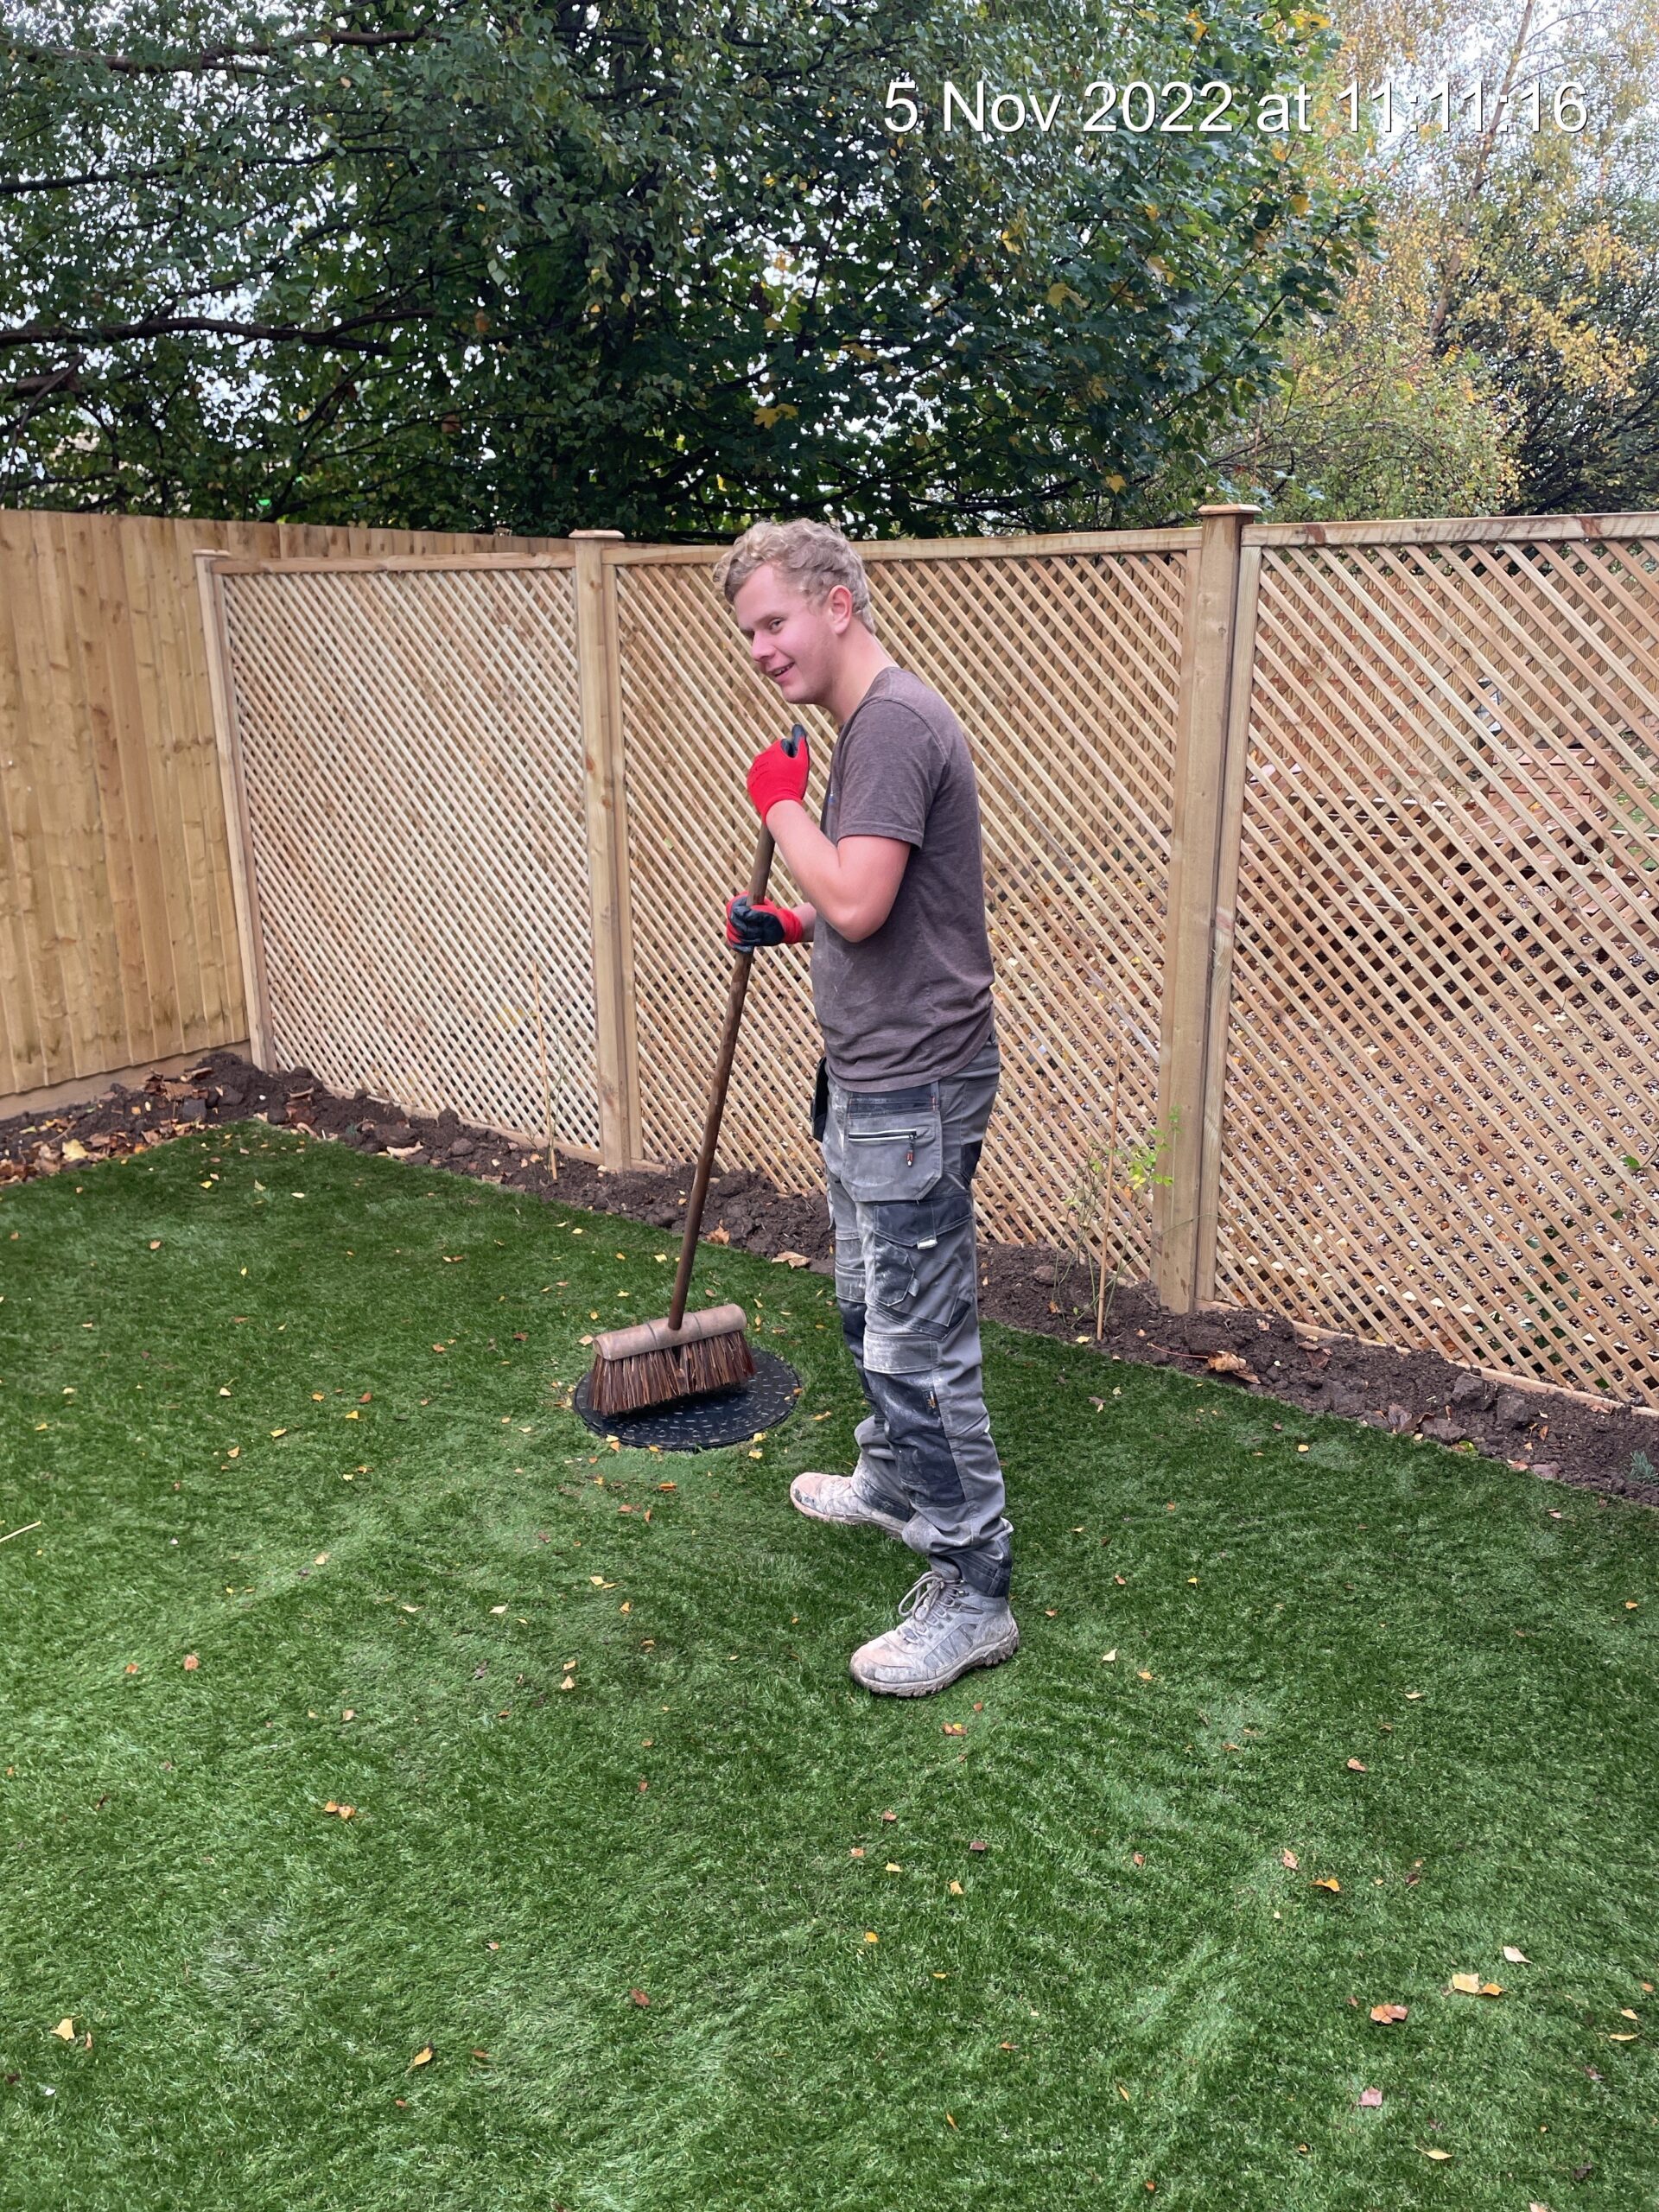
(853, 884)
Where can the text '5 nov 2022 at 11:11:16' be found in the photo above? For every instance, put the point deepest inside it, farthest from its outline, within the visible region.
(1104, 107)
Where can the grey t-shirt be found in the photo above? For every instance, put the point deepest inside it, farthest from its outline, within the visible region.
(914, 1000)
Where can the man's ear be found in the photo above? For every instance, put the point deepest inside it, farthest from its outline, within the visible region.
(839, 608)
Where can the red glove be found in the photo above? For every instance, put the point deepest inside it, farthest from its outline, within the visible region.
(780, 772)
(752, 922)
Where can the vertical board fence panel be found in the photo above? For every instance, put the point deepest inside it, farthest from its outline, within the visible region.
(409, 741)
(1441, 1116)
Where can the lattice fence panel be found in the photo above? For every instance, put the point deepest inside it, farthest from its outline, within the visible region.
(693, 716)
(1441, 1121)
(1065, 672)
(412, 750)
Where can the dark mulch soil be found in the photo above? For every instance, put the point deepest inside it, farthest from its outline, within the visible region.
(1614, 1448)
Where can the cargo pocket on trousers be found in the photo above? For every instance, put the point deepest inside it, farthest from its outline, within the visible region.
(892, 1144)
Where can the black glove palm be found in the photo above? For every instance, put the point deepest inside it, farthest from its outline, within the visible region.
(751, 923)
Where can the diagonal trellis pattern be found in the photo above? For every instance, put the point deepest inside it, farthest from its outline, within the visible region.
(1441, 1102)
(693, 716)
(1065, 672)
(1442, 1112)
(411, 747)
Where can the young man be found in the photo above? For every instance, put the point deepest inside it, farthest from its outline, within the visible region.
(901, 983)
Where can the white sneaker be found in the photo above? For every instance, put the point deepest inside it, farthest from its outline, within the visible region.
(944, 1629)
(843, 1501)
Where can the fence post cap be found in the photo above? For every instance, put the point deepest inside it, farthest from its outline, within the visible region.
(1240, 508)
(595, 533)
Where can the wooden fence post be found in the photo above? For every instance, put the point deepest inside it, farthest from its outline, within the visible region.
(598, 677)
(244, 883)
(1208, 793)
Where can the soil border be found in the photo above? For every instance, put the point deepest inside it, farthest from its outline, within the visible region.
(1564, 1436)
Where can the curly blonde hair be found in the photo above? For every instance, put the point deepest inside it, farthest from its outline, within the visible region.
(813, 555)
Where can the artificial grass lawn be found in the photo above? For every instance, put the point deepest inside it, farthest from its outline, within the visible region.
(1129, 1985)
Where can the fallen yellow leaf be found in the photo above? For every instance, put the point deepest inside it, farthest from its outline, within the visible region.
(1438, 2156)
(64, 2029)
(423, 2057)
(1357, 1766)
(956, 1890)
(1469, 1983)
(1388, 2013)
(1326, 1882)
(1289, 1858)
(870, 1935)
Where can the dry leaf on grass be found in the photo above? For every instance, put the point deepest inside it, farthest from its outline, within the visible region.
(721, 1236)
(1289, 1858)
(1515, 1958)
(346, 1811)
(1229, 1362)
(1357, 1766)
(790, 1260)
(423, 2056)
(191, 1662)
(1326, 1882)
(1438, 2156)
(640, 1997)
(1370, 2098)
(1388, 2013)
(65, 2030)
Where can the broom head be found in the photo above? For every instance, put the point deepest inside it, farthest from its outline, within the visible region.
(650, 1363)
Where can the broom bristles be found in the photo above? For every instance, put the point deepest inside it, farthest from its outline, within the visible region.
(651, 1378)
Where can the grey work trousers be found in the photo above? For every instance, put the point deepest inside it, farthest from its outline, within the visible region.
(899, 1166)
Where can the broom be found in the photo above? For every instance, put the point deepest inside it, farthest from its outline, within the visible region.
(653, 1362)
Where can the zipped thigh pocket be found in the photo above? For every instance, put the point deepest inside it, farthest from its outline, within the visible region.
(891, 1143)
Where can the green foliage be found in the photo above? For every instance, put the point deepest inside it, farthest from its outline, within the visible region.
(1129, 1168)
(658, 265)
(1503, 355)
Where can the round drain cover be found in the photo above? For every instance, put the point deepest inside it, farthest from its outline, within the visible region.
(703, 1424)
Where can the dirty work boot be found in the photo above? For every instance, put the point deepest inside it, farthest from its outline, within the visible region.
(848, 1502)
(944, 1628)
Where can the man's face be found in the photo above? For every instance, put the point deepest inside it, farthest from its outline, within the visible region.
(794, 642)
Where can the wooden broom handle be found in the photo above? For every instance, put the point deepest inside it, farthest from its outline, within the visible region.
(734, 997)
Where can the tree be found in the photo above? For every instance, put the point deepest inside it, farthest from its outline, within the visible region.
(1503, 357)
(659, 265)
